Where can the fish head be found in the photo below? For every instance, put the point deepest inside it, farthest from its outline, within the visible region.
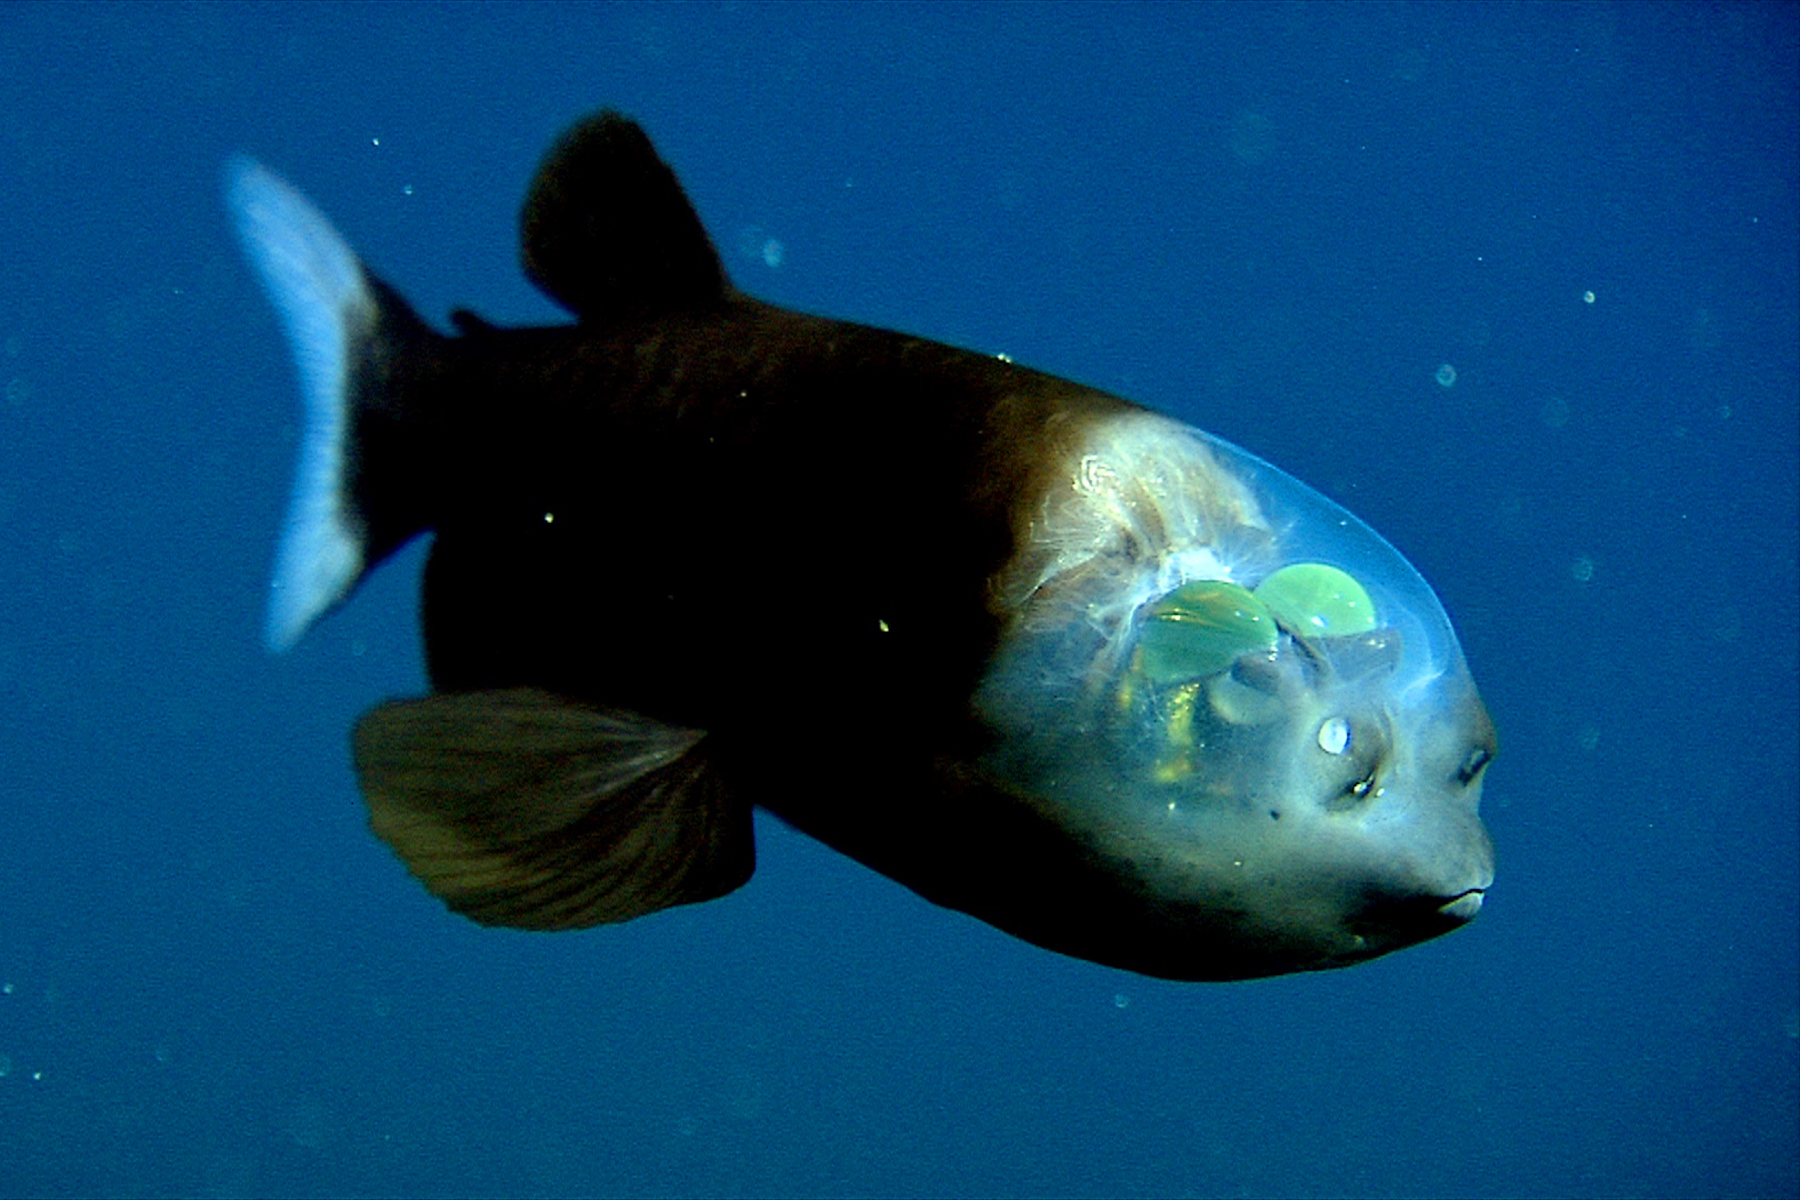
(1247, 707)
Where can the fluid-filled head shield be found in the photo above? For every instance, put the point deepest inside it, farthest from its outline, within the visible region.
(1246, 702)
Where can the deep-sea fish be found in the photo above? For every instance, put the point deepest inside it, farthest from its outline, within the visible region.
(1102, 680)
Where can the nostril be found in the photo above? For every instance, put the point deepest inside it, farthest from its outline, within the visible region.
(1473, 764)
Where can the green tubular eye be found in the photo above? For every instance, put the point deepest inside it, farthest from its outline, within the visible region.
(1200, 629)
(1318, 601)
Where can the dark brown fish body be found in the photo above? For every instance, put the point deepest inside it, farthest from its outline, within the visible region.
(828, 612)
(695, 553)
(771, 440)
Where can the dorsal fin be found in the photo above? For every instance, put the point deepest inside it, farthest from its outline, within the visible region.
(608, 232)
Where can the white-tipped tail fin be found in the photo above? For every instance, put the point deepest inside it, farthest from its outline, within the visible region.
(328, 309)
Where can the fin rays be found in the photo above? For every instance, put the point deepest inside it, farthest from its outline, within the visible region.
(327, 308)
(518, 808)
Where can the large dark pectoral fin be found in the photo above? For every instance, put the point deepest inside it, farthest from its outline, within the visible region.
(520, 808)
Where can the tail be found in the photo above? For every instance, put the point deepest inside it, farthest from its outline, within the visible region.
(354, 341)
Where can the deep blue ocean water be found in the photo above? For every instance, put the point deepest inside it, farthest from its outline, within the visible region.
(1277, 222)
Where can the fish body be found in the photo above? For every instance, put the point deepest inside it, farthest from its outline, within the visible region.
(1037, 653)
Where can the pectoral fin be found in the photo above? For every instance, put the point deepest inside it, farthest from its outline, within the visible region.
(520, 808)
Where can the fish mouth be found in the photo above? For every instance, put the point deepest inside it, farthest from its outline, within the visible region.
(1409, 920)
(1463, 907)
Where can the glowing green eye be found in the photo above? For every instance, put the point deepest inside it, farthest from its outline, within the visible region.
(1317, 601)
(1201, 628)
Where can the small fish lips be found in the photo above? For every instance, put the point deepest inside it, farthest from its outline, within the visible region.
(1462, 908)
(1400, 921)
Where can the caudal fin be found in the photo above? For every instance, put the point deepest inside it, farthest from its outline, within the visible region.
(347, 331)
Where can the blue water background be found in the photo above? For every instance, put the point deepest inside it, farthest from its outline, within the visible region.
(1278, 222)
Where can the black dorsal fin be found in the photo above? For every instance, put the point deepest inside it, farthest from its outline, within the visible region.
(608, 232)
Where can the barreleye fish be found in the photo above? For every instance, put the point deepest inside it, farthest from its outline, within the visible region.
(1097, 678)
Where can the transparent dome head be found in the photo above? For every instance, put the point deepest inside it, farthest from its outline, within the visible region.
(1241, 696)
(1162, 532)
